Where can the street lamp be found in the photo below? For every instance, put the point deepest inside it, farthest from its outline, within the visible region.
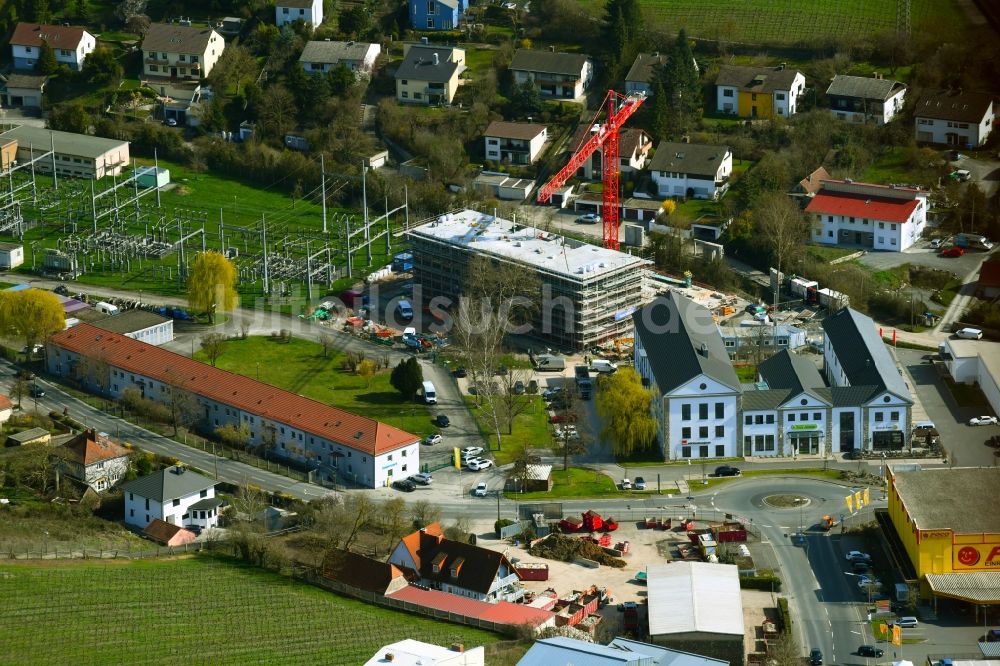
(800, 501)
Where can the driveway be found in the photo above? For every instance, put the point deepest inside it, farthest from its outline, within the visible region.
(984, 172)
(922, 254)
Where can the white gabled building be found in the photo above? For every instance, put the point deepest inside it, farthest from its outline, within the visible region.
(880, 217)
(70, 45)
(514, 143)
(323, 56)
(691, 170)
(960, 119)
(93, 459)
(309, 12)
(174, 495)
(862, 98)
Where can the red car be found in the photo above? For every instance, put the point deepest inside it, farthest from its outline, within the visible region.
(953, 251)
(562, 418)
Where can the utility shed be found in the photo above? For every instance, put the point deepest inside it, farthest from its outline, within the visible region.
(697, 607)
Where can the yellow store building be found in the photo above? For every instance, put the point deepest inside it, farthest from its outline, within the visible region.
(948, 521)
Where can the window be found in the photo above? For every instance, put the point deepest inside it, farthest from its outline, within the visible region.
(703, 411)
(817, 416)
(720, 410)
(791, 417)
(727, 93)
(829, 234)
(804, 416)
(759, 419)
(417, 95)
(780, 97)
(177, 502)
(685, 412)
(182, 58)
(203, 493)
(892, 241)
(747, 442)
(881, 225)
(685, 451)
(720, 450)
(284, 10)
(430, 22)
(404, 95)
(893, 416)
(685, 433)
(430, 7)
(769, 442)
(154, 68)
(753, 97)
(194, 58)
(720, 431)
(829, 218)
(702, 432)
(147, 504)
(879, 416)
(131, 513)
(892, 227)
(770, 418)
(747, 420)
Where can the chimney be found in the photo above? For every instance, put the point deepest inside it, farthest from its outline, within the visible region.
(703, 350)
(436, 62)
(457, 647)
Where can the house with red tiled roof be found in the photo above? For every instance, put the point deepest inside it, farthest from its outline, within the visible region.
(337, 442)
(363, 573)
(877, 217)
(988, 285)
(70, 44)
(6, 409)
(167, 534)
(92, 459)
(457, 567)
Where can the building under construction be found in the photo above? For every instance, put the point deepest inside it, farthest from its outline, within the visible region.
(588, 292)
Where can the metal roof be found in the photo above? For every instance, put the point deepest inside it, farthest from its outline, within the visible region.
(862, 353)
(756, 400)
(66, 143)
(786, 370)
(974, 586)
(963, 499)
(664, 656)
(864, 87)
(169, 484)
(562, 650)
(688, 597)
(691, 158)
(682, 342)
(410, 652)
(130, 321)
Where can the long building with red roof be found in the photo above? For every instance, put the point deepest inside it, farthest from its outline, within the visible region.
(358, 448)
(878, 217)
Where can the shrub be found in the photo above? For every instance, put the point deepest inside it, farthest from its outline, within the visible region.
(763, 582)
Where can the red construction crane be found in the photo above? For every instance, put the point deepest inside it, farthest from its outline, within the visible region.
(618, 108)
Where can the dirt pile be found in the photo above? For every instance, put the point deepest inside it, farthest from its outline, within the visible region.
(567, 549)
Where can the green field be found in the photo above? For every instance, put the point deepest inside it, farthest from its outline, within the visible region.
(299, 366)
(195, 610)
(789, 21)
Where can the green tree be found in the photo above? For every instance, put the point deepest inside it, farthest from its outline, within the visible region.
(212, 284)
(624, 405)
(213, 344)
(680, 81)
(47, 63)
(407, 377)
(622, 35)
(236, 436)
(43, 13)
(524, 100)
(31, 315)
(660, 121)
(355, 21)
(102, 66)
(71, 117)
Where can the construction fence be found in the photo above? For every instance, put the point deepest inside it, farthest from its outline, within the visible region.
(62, 552)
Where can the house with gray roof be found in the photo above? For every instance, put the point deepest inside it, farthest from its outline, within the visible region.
(691, 170)
(554, 75)
(429, 74)
(859, 401)
(174, 495)
(862, 99)
(76, 155)
(319, 57)
(758, 92)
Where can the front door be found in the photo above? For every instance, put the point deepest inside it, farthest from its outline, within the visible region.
(173, 72)
(846, 431)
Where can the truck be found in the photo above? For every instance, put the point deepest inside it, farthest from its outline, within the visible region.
(800, 287)
(549, 362)
(430, 394)
(603, 365)
(402, 262)
(972, 241)
(583, 382)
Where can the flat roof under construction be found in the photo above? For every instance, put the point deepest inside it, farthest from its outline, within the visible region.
(529, 245)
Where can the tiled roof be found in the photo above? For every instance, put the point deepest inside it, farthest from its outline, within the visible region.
(968, 107)
(56, 36)
(89, 447)
(506, 130)
(169, 484)
(548, 62)
(477, 566)
(812, 183)
(162, 531)
(691, 158)
(174, 38)
(864, 87)
(860, 205)
(989, 274)
(359, 571)
(764, 399)
(412, 540)
(502, 612)
(756, 79)
(356, 432)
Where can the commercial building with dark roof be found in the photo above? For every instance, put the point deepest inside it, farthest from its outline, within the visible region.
(946, 522)
(703, 411)
(758, 92)
(76, 155)
(954, 118)
(880, 217)
(554, 75)
(429, 74)
(863, 99)
(335, 441)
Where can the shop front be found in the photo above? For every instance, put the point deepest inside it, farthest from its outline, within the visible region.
(805, 438)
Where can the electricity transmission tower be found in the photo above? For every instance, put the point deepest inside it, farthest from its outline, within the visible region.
(903, 17)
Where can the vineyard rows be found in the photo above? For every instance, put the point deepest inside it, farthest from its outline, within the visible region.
(199, 610)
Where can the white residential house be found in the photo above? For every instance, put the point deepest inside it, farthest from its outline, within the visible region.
(691, 170)
(309, 12)
(429, 74)
(70, 44)
(954, 118)
(174, 52)
(759, 92)
(860, 99)
(323, 56)
(879, 217)
(92, 459)
(634, 146)
(175, 495)
(514, 143)
(554, 75)
(640, 75)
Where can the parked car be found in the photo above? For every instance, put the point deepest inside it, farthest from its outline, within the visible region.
(562, 418)
(460, 372)
(471, 451)
(518, 388)
(937, 243)
(861, 567)
(727, 470)
(905, 622)
(815, 657)
(969, 334)
(626, 484)
(433, 439)
(589, 218)
(982, 420)
(532, 386)
(857, 555)
(953, 252)
(870, 651)
(481, 489)
(170, 122)
(36, 392)
(405, 485)
(479, 464)
(924, 425)
(423, 478)
(442, 421)
(865, 580)
(62, 290)
(551, 392)
(640, 483)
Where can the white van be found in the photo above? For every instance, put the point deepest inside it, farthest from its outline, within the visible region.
(106, 308)
(970, 334)
(430, 395)
(603, 365)
(405, 310)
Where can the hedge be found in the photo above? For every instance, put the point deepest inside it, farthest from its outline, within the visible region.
(761, 583)
(786, 617)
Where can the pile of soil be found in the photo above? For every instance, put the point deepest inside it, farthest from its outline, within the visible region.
(567, 549)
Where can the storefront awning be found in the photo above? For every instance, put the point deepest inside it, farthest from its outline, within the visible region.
(975, 587)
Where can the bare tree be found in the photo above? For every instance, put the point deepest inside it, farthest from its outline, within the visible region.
(392, 517)
(180, 403)
(327, 342)
(782, 226)
(514, 401)
(424, 513)
(19, 388)
(213, 344)
(339, 521)
(250, 501)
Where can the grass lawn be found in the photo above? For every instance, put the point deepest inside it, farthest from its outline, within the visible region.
(579, 482)
(165, 611)
(826, 253)
(531, 430)
(299, 366)
(891, 167)
(746, 373)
